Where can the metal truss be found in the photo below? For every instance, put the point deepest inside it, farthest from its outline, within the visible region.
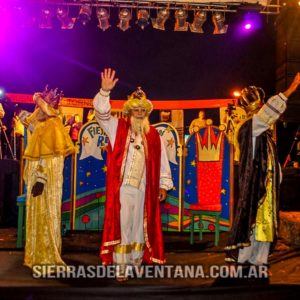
(263, 6)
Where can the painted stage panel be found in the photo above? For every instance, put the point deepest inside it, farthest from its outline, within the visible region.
(89, 182)
(171, 207)
(207, 177)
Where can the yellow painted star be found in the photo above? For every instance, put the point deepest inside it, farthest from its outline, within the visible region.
(104, 148)
(223, 191)
(170, 142)
(193, 163)
(85, 140)
(168, 129)
(104, 169)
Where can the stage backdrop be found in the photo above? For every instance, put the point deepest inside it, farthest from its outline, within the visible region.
(85, 172)
(84, 197)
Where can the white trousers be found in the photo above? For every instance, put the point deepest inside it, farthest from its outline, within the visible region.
(257, 253)
(130, 250)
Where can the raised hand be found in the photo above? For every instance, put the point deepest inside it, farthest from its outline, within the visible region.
(108, 80)
(293, 86)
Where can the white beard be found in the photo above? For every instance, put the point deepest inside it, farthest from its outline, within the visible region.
(140, 126)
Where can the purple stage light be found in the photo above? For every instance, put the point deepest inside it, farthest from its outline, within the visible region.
(250, 23)
(248, 26)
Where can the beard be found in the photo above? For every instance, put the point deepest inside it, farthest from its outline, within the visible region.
(140, 126)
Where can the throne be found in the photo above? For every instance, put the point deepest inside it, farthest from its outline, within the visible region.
(209, 165)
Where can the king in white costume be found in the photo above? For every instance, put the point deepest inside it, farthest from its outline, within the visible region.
(133, 183)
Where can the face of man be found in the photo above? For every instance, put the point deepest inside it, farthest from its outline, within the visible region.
(139, 120)
(139, 113)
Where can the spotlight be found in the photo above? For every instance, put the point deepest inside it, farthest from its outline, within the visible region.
(142, 18)
(162, 17)
(180, 16)
(85, 14)
(248, 26)
(2, 93)
(290, 3)
(236, 94)
(252, 21)
(125, 17)
(103, 16)
(62, 14)
(199, 20)
(46, 18)
(218, 20)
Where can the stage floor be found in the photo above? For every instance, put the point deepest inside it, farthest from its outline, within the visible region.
(81, 248)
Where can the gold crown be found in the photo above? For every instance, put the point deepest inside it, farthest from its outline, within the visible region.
(209, 144)
(251, 98)
(137, 99)
(51, 95)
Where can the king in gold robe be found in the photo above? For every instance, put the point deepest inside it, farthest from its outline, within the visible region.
(48, 144)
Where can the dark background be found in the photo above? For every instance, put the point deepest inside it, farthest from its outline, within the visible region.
(167, 64)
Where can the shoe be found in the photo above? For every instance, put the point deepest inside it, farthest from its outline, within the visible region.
(121, 274)
(121, 278)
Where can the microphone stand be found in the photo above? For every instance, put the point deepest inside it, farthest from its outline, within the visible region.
(14, 142)
(7, 142)
(288, 158)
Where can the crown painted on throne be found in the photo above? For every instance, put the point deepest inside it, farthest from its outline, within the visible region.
(209, 144)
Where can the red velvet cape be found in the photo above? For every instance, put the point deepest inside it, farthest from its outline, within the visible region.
(154, 249)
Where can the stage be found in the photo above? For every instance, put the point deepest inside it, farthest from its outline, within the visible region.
(81, 248)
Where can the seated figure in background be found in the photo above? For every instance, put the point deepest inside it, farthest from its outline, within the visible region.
(198, 123)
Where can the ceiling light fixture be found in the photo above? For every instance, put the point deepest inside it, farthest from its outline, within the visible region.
(219, 23)
(199, 20)
(103, 18)
(180, 20)
(161, 18)
(124, 17)
(143, 18)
